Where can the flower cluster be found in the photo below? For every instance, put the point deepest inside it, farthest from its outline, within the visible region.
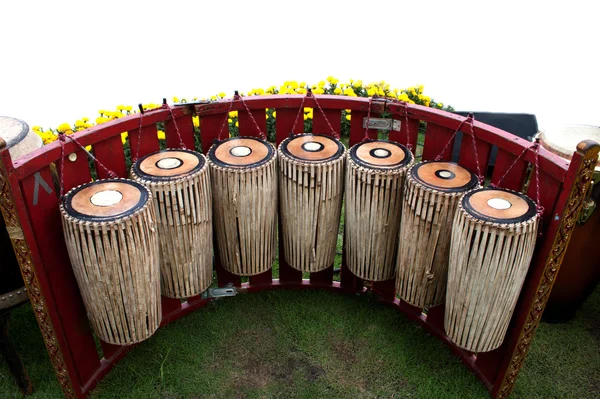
(352, 88)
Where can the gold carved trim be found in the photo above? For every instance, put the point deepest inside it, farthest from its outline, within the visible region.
(33, 286)
(559, 246)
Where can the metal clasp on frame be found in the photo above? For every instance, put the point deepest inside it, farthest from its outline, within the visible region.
(228, 290)
(382, 124)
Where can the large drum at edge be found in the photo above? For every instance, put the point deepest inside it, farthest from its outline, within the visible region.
(180, 186)
(110, 231)
(311, 187)
(431, 197)
(493, 239)
(374, 187)
(243, 173)
(579, 272)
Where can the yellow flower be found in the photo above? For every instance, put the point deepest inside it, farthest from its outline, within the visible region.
(274, 114)
(348, 111)
(196, 121)
(222, 95)
(128, 108)
(229, 120)
(88, 148)
(319, 90)
(371, 92)
(175, 99)
(64, 127)
(301, 90)
(161, 135)
(266, 116)
(233, 114)
(349, 117)
(293, 84)
(120, 107)
(440, 105)
(237, 124)
(357, 84)
(85, 119)
(302, 84)
(214, 98)
(337, 91)
(321, 83)
(124, 137)
(79, 123)
(36, 128)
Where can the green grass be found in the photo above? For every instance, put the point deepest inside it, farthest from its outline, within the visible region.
(316, 344)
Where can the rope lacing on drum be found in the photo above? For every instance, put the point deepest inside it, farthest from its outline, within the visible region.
(62, 138)
(536, 153)
(469, 121)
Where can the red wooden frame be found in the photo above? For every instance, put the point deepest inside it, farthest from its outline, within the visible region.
(53, 289)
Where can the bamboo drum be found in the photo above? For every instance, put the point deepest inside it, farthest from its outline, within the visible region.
(109, 228)
(311, 186)
(374, 186)
(492, 244)
(244, 187)
(180, 186)
(431, 196)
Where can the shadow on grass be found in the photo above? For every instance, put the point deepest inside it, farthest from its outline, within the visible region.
(315, 344)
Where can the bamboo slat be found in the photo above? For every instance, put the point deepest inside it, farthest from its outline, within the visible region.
(109, 228)
(492, 245)
(374, 187)
(180, 186)
(311, 187)
(431, 196)
(244, 187)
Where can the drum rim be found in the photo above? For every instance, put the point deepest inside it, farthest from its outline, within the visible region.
(466, 206)
(472, 184)
(217, 162)
(72, 213)
(407, 161)
(138, 172)
(338, 154)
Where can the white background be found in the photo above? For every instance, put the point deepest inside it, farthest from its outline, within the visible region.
(61, 60)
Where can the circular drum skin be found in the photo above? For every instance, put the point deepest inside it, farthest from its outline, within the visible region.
(244, 187)
(109, 228)
(311, 187)
(431, 195)
(493, 240)
(374, 187)
(180, 185)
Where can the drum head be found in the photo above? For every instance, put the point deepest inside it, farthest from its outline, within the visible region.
(105, 200)
(563, 140)
(168, 165)
(241, 152)
(498, 205)
(381, 154)
(444, 176)
(312, 148)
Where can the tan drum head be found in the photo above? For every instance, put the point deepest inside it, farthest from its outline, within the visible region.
(443, 176)
(168, 165)
(381, 154)
(241, 152)
(312, 148)
(563, 140)
(498, 205)
(105, 200)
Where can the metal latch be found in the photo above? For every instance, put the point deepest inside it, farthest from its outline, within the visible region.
(382, 124)
(229, 290)
(589, 205)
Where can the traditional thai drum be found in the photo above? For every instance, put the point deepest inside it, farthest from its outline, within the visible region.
(492, 244)
(431, 195)
(109, 228)
(374, 186)
(244, 187)
(311, 186)
(180, 186)
(579, 272)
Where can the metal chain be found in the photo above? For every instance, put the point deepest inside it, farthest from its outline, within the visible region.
(139, 140)
(408, 144)
(333, 132)
(439, 156)
(260, 132)
(368, 119)
(225, 120)
(300, 111)
(61, 138)
(181, 143)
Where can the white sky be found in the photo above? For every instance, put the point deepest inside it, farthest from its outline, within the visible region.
(61, 60)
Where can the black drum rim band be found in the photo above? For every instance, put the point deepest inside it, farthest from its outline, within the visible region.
(471, 184)
(136, 169)
(408, 156)
(284, 150)
(531, 212)
(218, 162)
(144, 195)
